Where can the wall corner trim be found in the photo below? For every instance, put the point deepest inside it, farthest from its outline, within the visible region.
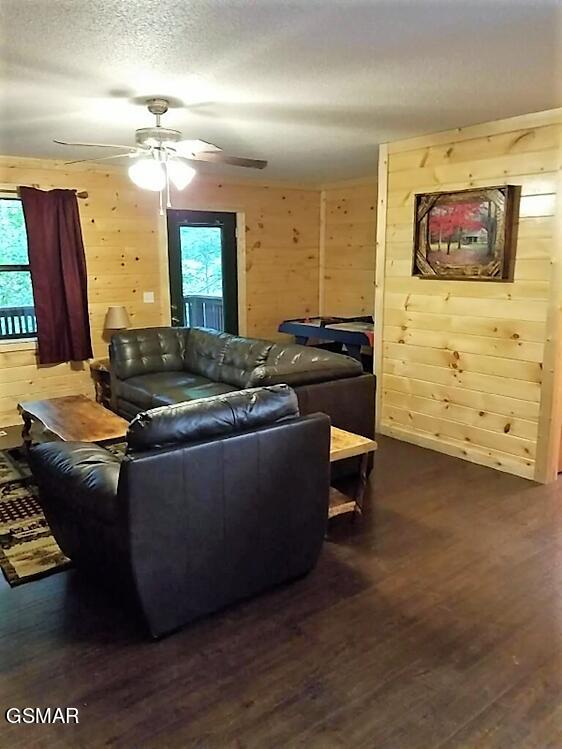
(380, 277)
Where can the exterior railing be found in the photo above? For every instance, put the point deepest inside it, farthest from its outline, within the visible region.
(203, 311)
(17, 322)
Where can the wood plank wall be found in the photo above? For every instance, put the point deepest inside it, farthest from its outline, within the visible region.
(124, 253)
(468, 368)
(347, 248)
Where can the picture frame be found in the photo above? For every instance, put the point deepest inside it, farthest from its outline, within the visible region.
(466, 235)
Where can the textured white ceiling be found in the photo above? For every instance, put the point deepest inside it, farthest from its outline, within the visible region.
(311, 85)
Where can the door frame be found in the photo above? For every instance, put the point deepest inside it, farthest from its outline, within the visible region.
(164, 255)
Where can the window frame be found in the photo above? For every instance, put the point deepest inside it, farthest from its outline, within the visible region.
(12, 268)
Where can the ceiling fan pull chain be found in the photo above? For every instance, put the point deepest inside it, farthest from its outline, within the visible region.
(168, 201)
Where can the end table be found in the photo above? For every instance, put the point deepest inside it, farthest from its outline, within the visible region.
(101, 375)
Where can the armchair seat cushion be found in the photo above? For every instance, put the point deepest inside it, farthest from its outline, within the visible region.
(84, 476)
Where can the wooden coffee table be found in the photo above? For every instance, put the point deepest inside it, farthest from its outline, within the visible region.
(349, 445)
(72, 418)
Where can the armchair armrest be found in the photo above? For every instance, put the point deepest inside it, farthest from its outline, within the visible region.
(78, 473)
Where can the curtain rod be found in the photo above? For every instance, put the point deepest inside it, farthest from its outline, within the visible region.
(81, 194)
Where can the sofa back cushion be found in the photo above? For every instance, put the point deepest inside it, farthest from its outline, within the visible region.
(204, 352)
(147, 350)
(193, 421)
(240, 357)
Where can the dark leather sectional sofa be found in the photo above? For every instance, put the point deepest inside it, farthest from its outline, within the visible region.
(216, 500)
(161, 366)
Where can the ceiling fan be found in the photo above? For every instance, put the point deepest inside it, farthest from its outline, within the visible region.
(160, 155)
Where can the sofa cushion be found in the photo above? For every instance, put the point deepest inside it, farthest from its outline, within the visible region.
(147, 350)
(148, 390)
(210, 417)
(303, 365)
(204, 352)
(205, 389)
(240, 357)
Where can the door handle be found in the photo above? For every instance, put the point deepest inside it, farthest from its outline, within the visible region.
(175, 319)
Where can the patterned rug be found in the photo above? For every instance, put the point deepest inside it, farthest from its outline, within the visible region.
(27, 548)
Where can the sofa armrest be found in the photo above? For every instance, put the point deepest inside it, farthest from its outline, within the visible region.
(303, 374)
(302, 365)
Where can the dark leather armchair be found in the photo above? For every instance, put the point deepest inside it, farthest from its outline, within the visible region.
(214, 501)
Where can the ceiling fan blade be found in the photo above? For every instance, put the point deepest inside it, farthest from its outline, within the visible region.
(189, 147)
(222, 158)
(94, 145)
(99, 158)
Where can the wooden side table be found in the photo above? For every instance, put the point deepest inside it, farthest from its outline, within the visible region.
(100, 370)
(349, 445)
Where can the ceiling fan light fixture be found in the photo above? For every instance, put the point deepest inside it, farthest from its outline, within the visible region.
(179, 173)
(148, 174)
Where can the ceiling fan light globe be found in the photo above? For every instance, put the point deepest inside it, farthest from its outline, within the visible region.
(180, 174)
(148, 174)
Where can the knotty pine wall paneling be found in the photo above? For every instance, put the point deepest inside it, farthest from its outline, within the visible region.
(472, 368)
(347, 248)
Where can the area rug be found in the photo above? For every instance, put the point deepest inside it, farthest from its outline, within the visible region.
(27, 548)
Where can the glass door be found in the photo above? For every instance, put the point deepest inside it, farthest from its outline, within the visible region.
(203, 269)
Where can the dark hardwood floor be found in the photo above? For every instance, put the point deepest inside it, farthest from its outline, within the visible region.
(434, 622)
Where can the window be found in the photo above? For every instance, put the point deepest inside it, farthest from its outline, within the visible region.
(17, 313)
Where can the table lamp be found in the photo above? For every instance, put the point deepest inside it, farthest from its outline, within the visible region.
(116, 318)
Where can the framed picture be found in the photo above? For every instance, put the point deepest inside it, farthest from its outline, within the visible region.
(467, 235)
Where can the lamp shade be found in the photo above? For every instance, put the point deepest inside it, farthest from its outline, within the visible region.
(116, 318)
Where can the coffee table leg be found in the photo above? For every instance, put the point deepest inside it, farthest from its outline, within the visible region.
(26, 431)
(361, 484)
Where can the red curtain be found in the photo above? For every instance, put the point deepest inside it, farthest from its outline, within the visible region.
(58, 274)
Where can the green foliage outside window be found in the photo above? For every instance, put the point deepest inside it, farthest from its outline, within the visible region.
(15, 286)
(201, 260)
